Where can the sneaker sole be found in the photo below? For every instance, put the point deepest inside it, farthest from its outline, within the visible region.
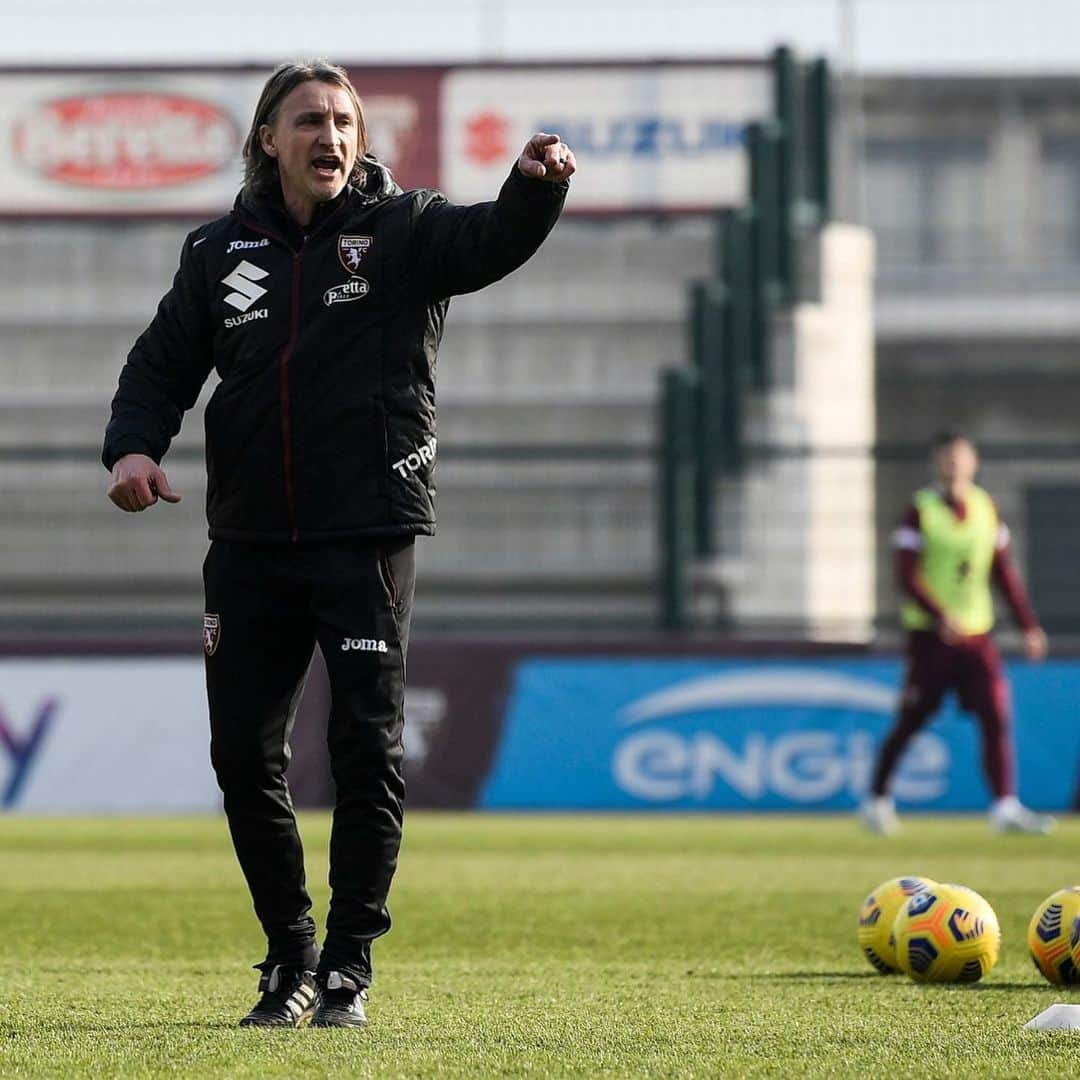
(877, 828)
(319, 1023)
(302, 1020)
(1019, 830)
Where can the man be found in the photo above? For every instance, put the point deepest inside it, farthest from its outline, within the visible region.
(320, 302)
(949, 546)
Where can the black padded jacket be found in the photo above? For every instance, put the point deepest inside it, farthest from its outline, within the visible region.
(323, 423)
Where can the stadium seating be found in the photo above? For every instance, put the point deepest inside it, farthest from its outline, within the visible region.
(547, 386)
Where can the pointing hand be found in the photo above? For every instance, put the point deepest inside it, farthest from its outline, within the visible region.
(546, 157)
(138, 482)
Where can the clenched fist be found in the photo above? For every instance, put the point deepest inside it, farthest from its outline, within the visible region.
(546, 157)
(138, 482)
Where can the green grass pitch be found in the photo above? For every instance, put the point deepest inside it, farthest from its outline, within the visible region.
(525, 946)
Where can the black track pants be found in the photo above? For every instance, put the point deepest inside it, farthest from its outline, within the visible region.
(267, 606)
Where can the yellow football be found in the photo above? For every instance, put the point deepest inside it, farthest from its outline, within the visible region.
(876, 918)
(947, 934)
(1051, 935)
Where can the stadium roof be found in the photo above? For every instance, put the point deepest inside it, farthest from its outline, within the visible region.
(996, 36)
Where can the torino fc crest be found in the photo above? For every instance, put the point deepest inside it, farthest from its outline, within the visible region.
(351, 250)
(211, 633)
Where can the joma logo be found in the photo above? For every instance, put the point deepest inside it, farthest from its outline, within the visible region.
(246, 245)
(363, 644)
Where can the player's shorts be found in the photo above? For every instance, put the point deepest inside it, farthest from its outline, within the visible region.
(972, 668)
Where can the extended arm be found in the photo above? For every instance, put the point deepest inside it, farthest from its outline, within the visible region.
(459, 249)
(160, 381)
(1007, 578)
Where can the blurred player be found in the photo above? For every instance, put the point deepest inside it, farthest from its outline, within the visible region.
(949, 547)
(320, 301)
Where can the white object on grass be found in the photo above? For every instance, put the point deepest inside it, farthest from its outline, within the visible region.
(1058, 1017)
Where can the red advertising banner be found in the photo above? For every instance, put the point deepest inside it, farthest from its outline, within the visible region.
(123, 143)
(401, 111)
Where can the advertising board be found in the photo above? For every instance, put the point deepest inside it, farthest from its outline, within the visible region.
(689, 734)
(509, 726)
(104, 735)
(646, 137)
(401, 113)
(123, 142)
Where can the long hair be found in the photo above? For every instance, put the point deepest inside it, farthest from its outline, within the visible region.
(260, 169)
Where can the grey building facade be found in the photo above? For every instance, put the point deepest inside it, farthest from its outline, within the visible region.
(972, 188)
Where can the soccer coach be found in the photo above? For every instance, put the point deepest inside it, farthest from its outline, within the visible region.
(320, 301)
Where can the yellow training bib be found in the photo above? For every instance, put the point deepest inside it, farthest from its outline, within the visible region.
(955, 561)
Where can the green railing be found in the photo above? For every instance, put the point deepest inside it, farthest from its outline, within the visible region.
(755, 274)
(679, 510)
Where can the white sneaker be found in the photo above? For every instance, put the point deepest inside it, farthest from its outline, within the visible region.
(878, 815)
(1010, 815)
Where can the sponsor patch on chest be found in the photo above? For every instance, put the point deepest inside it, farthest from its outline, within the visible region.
(243, 281)
(354, 289)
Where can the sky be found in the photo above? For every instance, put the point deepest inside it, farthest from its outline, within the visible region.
(961, 36)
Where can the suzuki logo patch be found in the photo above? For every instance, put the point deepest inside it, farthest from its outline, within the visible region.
(211, 633)
(243, 279)
(351, 250)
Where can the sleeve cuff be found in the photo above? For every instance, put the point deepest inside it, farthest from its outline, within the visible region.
(129, 444)
(534, 188)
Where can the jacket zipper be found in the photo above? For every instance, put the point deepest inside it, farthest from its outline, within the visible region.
(283, 368)
(286, 424)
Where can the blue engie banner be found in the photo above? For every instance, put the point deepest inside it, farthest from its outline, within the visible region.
(776, 735)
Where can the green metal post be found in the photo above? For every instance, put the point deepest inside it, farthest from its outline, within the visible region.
(703, 348)
(819, 137)
(702, 451)
(786, 104)
(765, 288)
(721, 402)
(721, 223)
(747, 340)
(764, 140)
(729, 395)
(676, 494)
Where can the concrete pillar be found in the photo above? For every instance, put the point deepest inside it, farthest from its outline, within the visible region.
(805, 536)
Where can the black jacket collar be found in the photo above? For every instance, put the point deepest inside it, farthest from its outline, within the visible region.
(266, 210)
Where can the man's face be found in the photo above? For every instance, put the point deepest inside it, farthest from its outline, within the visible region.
(957, 462)
(314, 139)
